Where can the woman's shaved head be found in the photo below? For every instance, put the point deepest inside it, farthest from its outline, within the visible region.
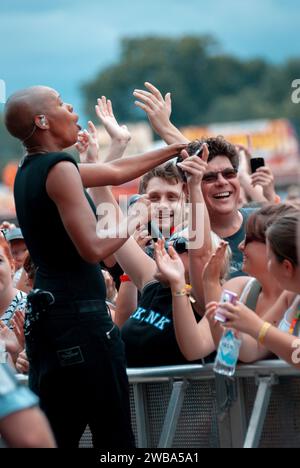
(22, 107)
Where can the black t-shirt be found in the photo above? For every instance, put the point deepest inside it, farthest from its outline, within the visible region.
(234, 242)
(149, 334)
(60, 268)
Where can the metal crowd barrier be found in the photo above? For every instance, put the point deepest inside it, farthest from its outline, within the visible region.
(192, 407)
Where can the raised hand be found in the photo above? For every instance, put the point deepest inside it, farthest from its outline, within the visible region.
(265, 178)
(142, 237)
(104, 111)
(169, 264)
(244, 154)
(157, 108)
(18, 326)
(11, 342)
(194, 166)
(212, 272)
(88, 145)
(139, 214)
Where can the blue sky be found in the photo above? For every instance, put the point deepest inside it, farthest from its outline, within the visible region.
(62, 43)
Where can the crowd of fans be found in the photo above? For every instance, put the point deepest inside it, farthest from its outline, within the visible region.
(162, 287)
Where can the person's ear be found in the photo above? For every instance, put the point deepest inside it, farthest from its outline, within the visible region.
(288, 268)
(41, 122)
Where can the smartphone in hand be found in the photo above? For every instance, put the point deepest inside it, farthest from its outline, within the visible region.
(255, 163)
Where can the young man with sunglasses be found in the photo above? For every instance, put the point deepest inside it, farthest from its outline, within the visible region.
(220, 184)
(221, 191)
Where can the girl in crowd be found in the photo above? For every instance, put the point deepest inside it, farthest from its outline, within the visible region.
(258, 291)
(12, 302)
(11, 299)
(283, 265)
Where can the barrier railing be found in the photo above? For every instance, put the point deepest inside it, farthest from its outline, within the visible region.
(192, 407)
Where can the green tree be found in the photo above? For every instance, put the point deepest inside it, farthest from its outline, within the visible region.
(206, 84)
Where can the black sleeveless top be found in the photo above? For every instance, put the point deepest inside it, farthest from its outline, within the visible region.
(60, 269)
(149, 334)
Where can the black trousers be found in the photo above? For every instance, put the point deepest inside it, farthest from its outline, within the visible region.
(77, 368)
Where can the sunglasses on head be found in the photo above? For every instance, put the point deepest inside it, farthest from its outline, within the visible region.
(228, 173)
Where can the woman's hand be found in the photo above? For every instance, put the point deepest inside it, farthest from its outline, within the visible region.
(88, 145)
(241, 318)
(157, 108)
(169, 264)
(11, 342)
(118, 133)
(18, 326)
(212, 271)
(22, 363)
(216, 327)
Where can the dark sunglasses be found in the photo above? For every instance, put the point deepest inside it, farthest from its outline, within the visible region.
(211, 177)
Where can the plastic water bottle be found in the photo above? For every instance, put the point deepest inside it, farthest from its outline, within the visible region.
(228, 354)
(2, 352)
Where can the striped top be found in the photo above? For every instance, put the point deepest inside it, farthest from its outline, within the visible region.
(18, 303)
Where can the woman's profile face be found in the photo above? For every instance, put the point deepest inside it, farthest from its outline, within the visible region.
(6, 271)
(254, 257)
(62, 120)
